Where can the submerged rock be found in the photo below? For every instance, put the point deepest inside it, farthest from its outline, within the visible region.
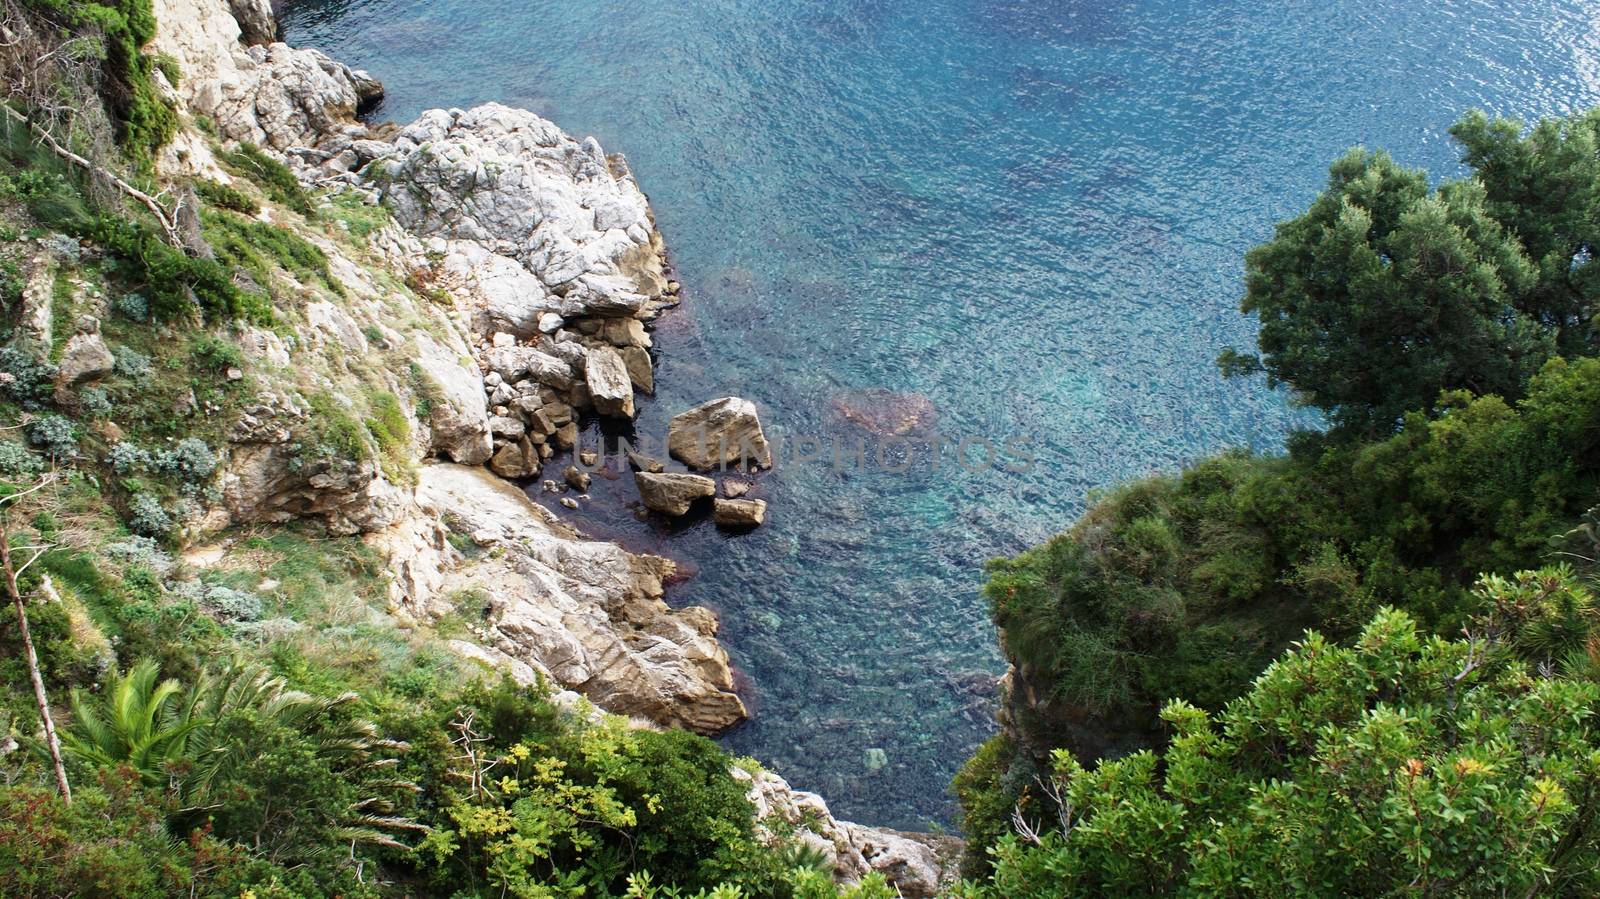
(671, 493)
(722, 432)
(885, 412)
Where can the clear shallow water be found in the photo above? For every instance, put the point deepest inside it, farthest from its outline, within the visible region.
(1030, 213)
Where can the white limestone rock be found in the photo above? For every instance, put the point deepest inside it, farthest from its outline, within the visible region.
(722, 432)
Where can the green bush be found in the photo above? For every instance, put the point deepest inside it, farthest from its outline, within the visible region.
(1401, 765)
(111, 842)
(272, 176)
(224, 196)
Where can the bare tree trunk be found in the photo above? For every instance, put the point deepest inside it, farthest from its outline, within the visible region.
(51, 741)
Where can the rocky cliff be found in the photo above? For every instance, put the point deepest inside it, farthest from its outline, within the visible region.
(492, 281)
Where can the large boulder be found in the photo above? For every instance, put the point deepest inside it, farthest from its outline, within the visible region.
(257, 24)
(270, 94)
(269, 476)
(586, 614)
(610, 388)
(671, 493)
(516, 183)
(84, 358)
(722, 432)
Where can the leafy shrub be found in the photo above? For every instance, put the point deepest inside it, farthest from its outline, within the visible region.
(224, 196)
(26, 380)
(54, 434)
(190, 461)
(270, 175)
(16, 461)
(233, 605)
(133, 306)
(127, 458)
(130, 363)
(147, 517)
(215, 356)
(111, 841)
(258, 247)
(140, 551)
(95, 402)
(1400, 765)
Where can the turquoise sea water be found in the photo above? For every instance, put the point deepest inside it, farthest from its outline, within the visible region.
(1027, 217)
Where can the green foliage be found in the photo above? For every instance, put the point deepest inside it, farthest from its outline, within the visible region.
(110, 842)
(1401, 765)
(261, 247)
(1468, 287)
(549, 801)
(146, 516)
(227, 197)
(334, 432)
(1187, 585)
(144, 121)
(988, 790)
(139, 722)
(54, 435)
(391, 430)
(272, 176)
(29, 382)
(168, 276)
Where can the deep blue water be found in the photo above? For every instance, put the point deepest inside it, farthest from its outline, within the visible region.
(1032, 214)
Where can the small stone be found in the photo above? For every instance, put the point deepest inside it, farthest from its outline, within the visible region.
(516, 459)
(576, 477)
(549, 323)
(733, 488)
(235, 374)
(739, 513)
(641, 462)
(569, 502)
(502, 339)
(876, 760)
(589, 458)
(640, 372)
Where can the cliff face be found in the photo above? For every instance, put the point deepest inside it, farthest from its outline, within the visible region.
(496, 277)
(496, 243)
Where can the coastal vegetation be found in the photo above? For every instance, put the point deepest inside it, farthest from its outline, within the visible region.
(1448, 334)
(1370, 665)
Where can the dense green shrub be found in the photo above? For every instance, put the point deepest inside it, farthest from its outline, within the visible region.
(270, 175)
(556, 801)
(54, 435)
(111, 842)
(261, 247)
(1186, 585)
(224, 196)
(145, 122)
(1401, 765)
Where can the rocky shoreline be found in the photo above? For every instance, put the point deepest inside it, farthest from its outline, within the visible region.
(508, 294)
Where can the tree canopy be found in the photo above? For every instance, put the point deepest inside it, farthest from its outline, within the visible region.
(1387, 292)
